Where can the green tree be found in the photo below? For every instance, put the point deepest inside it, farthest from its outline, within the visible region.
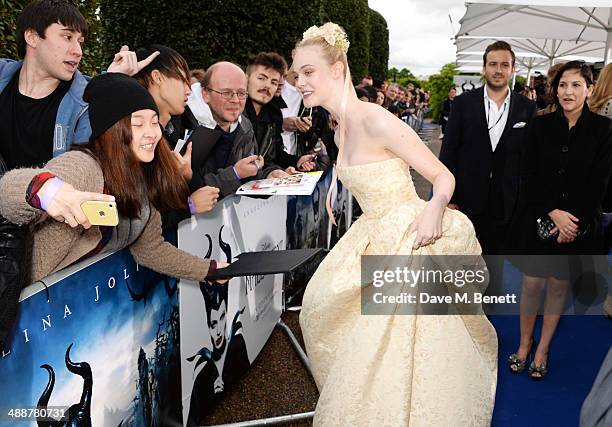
(354, 17)
(439, 85)
(403, 77)
(379, 46)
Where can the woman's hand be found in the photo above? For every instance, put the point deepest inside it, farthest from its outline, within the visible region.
(428, 224)
(565, 224)
(561, 238)
(204, 199)
(65, 206)
(222, 264)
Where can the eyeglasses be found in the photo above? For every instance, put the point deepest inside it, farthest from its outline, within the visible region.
(229, 94)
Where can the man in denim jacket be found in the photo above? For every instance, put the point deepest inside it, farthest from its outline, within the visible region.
(49, 39)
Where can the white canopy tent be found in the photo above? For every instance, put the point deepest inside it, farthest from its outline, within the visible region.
(549, 50)
(551, 28)
(525, 63)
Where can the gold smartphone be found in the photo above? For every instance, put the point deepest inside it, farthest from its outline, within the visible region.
(101, 213)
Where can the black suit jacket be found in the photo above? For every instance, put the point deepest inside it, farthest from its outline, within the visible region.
(485, 179)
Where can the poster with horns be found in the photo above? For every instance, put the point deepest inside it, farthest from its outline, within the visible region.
(224, 326)
(99, 342)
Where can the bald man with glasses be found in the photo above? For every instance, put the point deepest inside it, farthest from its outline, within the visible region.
(233, 157)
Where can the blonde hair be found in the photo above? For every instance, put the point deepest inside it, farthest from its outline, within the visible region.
(334, 44)
(332, 40)
(603, 89)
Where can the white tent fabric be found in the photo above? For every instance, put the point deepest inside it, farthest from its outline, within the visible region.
(525, 65)
(549, 50)
(557, 21)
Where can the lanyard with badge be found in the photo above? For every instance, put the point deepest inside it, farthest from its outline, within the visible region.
(489, 114)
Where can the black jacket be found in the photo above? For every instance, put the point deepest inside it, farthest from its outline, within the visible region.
(15, 259)
(225, 178)
(446, 109)
(176, 127)
(485, 179)
(267, 128)
(566, 169)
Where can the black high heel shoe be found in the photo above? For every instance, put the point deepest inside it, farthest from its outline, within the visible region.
(538, 372)
(517, 365)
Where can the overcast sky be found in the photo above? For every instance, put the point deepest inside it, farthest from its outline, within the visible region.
(420, 32)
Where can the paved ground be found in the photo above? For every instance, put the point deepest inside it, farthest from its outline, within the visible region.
(277, 383)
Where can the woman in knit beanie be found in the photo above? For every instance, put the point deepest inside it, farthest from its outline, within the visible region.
(126, 158)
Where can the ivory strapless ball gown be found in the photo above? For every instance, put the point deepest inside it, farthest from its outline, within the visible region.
(394, 370)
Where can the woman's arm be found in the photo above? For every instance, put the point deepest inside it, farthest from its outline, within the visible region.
(152, 251)
(398, 138)
(401, 140)
(83, 181)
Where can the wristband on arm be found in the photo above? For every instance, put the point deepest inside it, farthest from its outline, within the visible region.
(192, 208)
(212, 267)
(36, 184)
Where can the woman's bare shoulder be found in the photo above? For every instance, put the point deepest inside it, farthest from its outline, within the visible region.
(378, 121)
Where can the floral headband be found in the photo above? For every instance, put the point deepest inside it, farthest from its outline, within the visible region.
(332, 34)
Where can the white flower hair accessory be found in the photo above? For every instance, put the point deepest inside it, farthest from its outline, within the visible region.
(332, 33)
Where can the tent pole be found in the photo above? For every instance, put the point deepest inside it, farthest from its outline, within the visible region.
(608, 51)
(529, 76)
(513, 80)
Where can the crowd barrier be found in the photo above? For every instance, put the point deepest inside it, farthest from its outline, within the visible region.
(126, 346)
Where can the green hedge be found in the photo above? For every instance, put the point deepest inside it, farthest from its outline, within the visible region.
(207, 31)
(379, 46)
(9, 10)
(93, 55)
(354, 17)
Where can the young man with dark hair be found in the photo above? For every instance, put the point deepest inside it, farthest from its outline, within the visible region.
(482, 146)
(42, 112)
(264, 72)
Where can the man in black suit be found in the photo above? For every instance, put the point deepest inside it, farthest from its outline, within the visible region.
(446, 109)
(482, 146)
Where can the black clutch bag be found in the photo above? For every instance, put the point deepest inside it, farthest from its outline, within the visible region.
(546, 224)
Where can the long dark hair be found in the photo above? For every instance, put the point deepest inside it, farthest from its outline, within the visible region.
(125, 177)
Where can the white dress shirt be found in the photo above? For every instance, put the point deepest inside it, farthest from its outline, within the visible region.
(293, 99)
(496, 117)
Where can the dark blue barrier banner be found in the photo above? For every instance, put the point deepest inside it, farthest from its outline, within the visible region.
(104, 341)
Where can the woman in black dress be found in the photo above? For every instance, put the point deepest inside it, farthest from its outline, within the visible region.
(567, 164)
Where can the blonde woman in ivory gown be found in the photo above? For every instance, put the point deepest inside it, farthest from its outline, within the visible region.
(387, 370)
